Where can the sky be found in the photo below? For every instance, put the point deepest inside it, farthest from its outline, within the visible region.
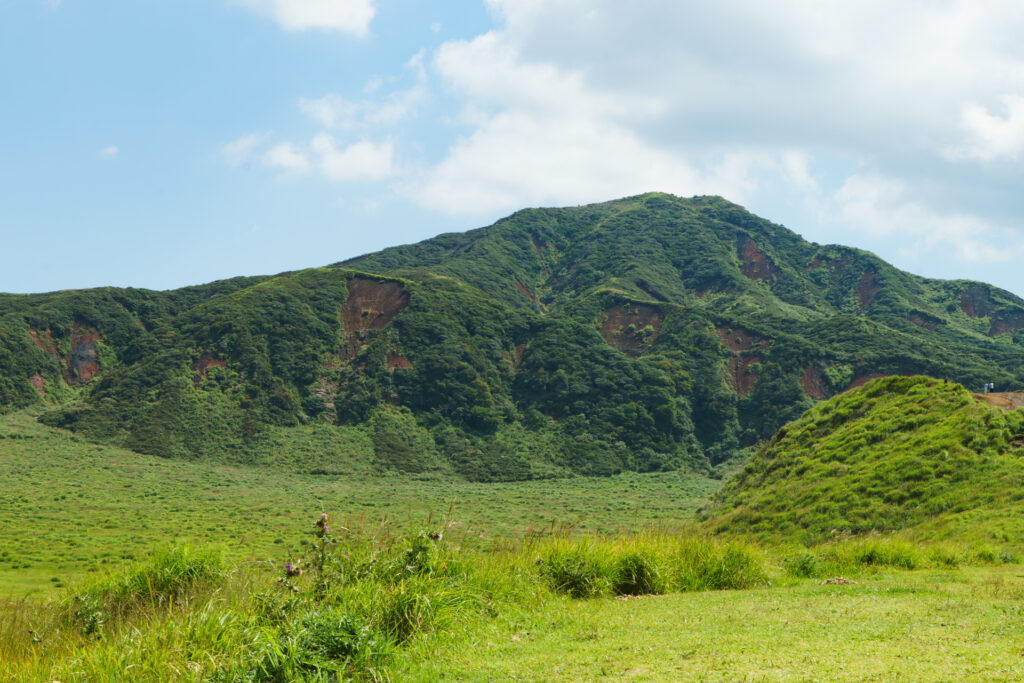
(163, 143)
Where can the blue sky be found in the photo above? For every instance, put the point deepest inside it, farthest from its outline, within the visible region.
(165, 143)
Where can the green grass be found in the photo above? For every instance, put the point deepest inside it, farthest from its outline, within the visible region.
(905, 626)
(69, 507)
(908, 454)
(436, 604)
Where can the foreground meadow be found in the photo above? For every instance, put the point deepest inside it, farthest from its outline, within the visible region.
(432, 605)
(69, 507)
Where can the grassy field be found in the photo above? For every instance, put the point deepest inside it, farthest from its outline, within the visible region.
(137, 568)
(68, 507)
(962, 625)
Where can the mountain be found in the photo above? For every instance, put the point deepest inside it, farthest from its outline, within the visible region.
(898, 453)
(646, 333)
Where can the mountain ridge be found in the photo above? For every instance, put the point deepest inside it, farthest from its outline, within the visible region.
(650, 332)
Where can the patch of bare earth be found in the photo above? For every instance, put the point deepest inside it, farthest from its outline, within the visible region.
(1008, 323)
(45, 342)
(861, 380)
(397, 362)
(370, 306)
(1007, 400)
(745, 348)
(754, 263)
(38, 383)
(631, 327)
(811, 383)
(206, 361)
(83, 360)
(867, 287)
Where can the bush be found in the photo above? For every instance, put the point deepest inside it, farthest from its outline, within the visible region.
(170, 574)
(700, 564)
(803, 564)
(576, 570)
(636, 573)
(330, 643)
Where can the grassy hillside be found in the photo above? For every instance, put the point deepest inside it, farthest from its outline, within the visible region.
(899, 453)
(70, 508)
(646, 334)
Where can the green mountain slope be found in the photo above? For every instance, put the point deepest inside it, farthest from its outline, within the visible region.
(897, 453)
(647, 333)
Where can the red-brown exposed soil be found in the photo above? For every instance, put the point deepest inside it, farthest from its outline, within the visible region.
(923, 320)
(206, 361)
(755, 264)
(861, 380)
(624, 326)
(39, 383)
(82, 361)
(372, 304)
(525, 291)
(811, 382)
(45, 342)
(974, 303)
(744, 347)
(815, 264)
(867, 287)
(737, 372)
(1002, 324)
(739, 339)
(397, 362)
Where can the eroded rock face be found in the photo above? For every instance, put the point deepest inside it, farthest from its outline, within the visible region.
(1006, 323)
(370, 306)
(867, 287)
(755, 264)
(206, 361)
(631, 327)
(923, 320)
(974, 303)
(745, 348)
(82, 360)
(812, 384)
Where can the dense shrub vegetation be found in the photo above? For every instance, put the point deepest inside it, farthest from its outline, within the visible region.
(645, 334)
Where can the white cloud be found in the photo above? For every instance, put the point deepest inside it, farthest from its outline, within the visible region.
(880, 206)
(240, 151)
(109, 152)
(346, 16)
(329, 110)
(993, 136)
(334, 111)
(362, 160)
(287, 157)
(516, 159)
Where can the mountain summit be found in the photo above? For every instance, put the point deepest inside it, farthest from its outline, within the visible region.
(646, 333)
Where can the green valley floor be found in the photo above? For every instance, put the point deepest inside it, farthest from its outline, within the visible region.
(949, 625)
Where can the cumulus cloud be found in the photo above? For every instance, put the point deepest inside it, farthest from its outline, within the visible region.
(346, 16)
(880, 206)
(287, 157)
(240, 151)
(990, 135)
(362, 160)
(109, 152)
(569, 101)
